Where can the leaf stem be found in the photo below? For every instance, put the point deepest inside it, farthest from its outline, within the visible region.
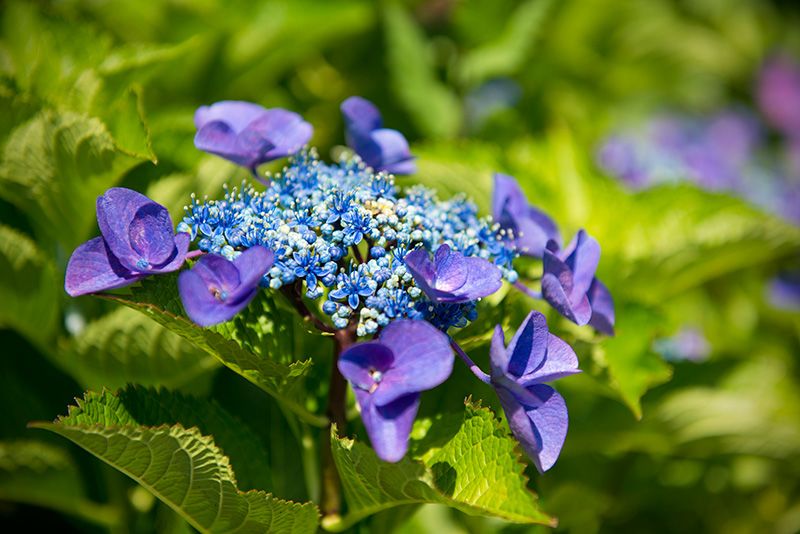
(528, 291)
(331, 500)
(357, 254)
(293, 295)
(483, 377)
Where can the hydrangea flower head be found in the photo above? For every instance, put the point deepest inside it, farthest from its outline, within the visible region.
(320, 219)
(137, 240)
(529, 227)
(248, 134)
(216, 289)
(451, 277)
(381, 148)
(536, 413)
(388, 375)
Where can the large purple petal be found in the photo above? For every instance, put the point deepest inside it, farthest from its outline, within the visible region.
(201, 304)
(498, 355)
(450, 269)
(178, 256)
(360, 115)
(533, 230)
(116, 210)
(532, 227)
(408, 166)
(506, 195)
(579, 311)
(236, 114)
(422, 269)
(388, 426)
(528, 346)
(582, 260)
(217, 137)
(217, 272)
(252, 264)
(483, 279)
(395, 154)
(603, 316)
(422, 359)
(560, 361)
(151, 235)
(540, 426)
(360, 364)
(92, 268)
(286, 131)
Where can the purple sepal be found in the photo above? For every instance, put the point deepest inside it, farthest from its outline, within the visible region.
(387, 376)
(248, 134)
(536, 413)
(137, 240)
(569, 284)
(452, 277)
(383, 149)
(216, 289)
(531, 228)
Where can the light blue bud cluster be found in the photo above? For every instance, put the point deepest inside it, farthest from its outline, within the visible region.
(342, 231)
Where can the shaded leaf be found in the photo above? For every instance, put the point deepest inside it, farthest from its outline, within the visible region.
(126, 346)
(28, 287)
(232, 345)
(33, 472)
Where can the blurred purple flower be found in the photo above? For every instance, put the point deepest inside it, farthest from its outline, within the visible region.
(388, 375)
(137, 240)
(784, 291)
(381, 148)
(451, 277)
(248, 134)
(569, 284)
(688, 344)
(531, 228)
(779, 94)
(536, 413)
(216, 289)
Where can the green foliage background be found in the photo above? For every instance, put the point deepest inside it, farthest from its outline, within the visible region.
(95, 94)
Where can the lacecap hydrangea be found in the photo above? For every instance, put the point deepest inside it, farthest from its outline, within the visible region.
(360, 256)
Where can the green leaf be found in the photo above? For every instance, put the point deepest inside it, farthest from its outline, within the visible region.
(255, 344)
(37, 473)
(148, 407)
(126, 346)
(632, 365)
(28, 287)
(180, 466)
(465, 461)
(434, 108)
(55, 166)
(506, 54)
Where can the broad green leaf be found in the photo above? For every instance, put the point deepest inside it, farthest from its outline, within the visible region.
(34, 472)
(251, 345)
(465, 461)
(55, 166)
(148, 407)
(434, 108)
(180, 466)
(632, 365)
(29, 289)
(507, 53)
(127, 347)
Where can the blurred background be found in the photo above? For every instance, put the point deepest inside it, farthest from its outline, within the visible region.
(670, 130)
